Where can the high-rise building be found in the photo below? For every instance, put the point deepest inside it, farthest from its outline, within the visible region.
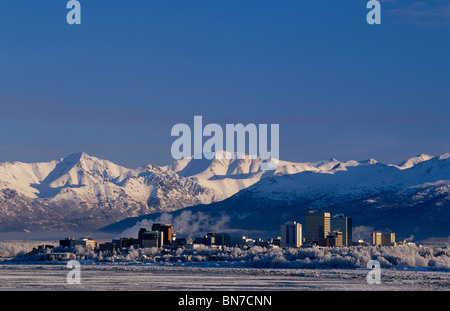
(152, 239)
(140, 233)
(291, 234)
(167, 230)
(344, 225)
(317, 227)
(380, 238)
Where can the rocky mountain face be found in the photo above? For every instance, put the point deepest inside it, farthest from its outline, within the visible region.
(81, 192)
(411, 199)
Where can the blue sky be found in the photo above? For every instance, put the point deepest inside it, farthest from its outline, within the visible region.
(116, 84)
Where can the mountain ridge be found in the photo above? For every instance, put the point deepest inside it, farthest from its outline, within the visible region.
(84, 192)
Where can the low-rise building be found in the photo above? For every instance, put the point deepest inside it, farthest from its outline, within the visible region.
(381, 238)
(126, 242)
(192, 246)
(275, 241)
(108, 247)
(241, 241)
(58, 256)
(404, 242)
(40, 249)
(359, 242)
(180, 242)
(334, 239)
(71, 242)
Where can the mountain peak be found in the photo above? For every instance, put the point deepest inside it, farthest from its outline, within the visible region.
(415, 160)
(444, 156)
(370, 161)
(80, 182)
(76, 157)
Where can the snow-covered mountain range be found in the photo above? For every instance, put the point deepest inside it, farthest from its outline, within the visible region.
(81, 192)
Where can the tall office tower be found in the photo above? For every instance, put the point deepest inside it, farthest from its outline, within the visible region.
(291, 234)
(317, 227)
(152, 239)
(167, 230)
(141, 232)
(344, 225)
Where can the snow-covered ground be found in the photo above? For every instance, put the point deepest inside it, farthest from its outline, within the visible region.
(253, 268)
(175, 278)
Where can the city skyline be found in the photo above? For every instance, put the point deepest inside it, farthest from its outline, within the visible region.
(335, 233)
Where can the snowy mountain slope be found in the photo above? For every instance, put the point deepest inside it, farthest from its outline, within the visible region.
(84, 192)
(409, 201)
(413, 161)
(21, 176)
(91, 192)
(229, 174)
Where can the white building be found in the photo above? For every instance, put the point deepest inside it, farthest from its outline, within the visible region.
(291, 234)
